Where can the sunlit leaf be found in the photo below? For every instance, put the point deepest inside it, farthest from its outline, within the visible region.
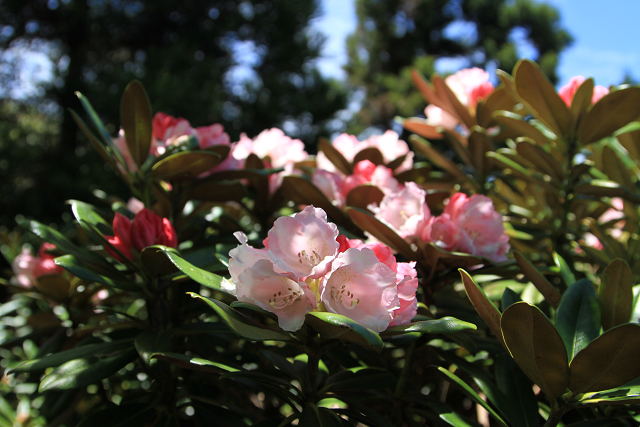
(615, 294)
(185, 165)
(609, 114)
(335, 326)
(483, 305)
(135, 121)
(578, 316)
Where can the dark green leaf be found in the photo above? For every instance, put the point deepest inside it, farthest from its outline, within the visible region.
(578, 316)
(443, 325)
(242, 325)
(508, 298)
(314, 416)
(155, 262)
(193, 363)
(615, 294)
(205, 278)
(517, 387)
(86, 212)
(135, 121)
(134, 415)
(335, 326)
(483, 305)
(151, 342)
(59, 358)
(72, 265)
(565, 271)
(80, 373)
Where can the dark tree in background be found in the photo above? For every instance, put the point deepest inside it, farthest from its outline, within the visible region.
(247, 65)
(394, 36)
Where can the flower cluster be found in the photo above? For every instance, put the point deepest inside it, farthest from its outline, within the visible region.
(28, 268)
(146, 229)
(307, 266)
(468, 224)
(567, 91)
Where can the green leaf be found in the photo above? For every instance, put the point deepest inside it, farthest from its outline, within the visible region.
(193, 363)
(151, 342)
(500, 100)
(609, 114)
(615, 294)
(536, 347)
(449, 415)
(53, 286)
(443, 325)
(313, 416)
(522, 127)
(50, 235)
(86, 212)
(509, 298)
(133, 415)
(72, 265)
(242, 325)
(470, 393)
(99, 147)
(621, 395)
(517, 387)
(483, 305)
(205, 278)
(185, 165)
(155, 262)
(56, 359)
(80, 373)
(609, 361)
(335, 326)
(359, 379)
(535, 89)
(565, 271)
(581, 102)
(578, 316)
(381, 231)
(542, 160)
(551, 295)
(135, 121)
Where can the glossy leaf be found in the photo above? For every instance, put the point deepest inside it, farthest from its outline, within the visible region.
(242, 325)
(205, 278)
(113, 280)
(56, 359)
(536, 347)
(517, 388)
(154, 260)
(450, 416)
(610, 361)
(313, 416)
(609, 114)
(443, 325)
(185, 165)
(565, 271)
(364, 195)
(335, 326)
(151, 342)
(509, 298)
(380, 231)
(622, 395)
(80, 373)
(483, 305)
(86, 212)
(135, 121)
(132, 415)
(615, 294)
(536, 90)
(421, 127)
(551, 295)
(470, 393)
(335, 157)
(521, 127)
(578, 316)
(192, 363)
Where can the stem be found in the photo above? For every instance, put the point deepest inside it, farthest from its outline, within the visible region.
(402, 384)
(312, 370)
(554, 418)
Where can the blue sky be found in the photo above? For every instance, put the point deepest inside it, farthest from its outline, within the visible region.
(606, 38)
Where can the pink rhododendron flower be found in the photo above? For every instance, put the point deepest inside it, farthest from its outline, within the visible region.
(470, 85)
(134, 205)
(307, 266)
(443, 232)
(123, 148)
(362, 288)
(166, 131)
(389, 145)
(567, 91)
(146, 229)
(330, 184)
(406, 210)
(28, 268)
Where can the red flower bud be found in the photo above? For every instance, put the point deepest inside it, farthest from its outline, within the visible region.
(149, 229)
(122, 229)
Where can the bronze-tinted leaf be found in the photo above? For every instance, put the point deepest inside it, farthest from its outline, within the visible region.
(459, 145)
(364, 195)
(479, 146)
(609, 114)
(301, 191)
(535, 89)
(609, 361)
(454, 107)
(423, 147)
(521, 127)
(551, 295)
(53, 286)
(615, 168)
(500, 99)
(425, 88)
(483, 305)
(581, 102)
(371, 153)
(135, 120)
(381, 231)
(615, 294)
(422, 128)
(542, 160)
(335, 157)
(536, 347)
(185, 165)
(395, 163)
